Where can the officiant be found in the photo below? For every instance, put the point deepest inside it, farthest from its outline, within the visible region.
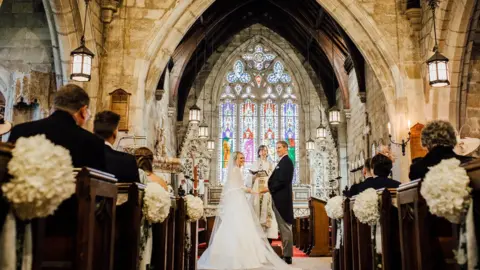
(261, 201)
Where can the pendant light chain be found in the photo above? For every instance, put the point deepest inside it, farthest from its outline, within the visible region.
(433, 5)
(82, 39)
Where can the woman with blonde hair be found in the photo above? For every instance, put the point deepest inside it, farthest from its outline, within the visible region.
(144, 157)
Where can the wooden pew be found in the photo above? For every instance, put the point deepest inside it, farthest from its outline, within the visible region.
(427, 242)
(336, 253)
(128, 224)
(81, 233)
(390, 234)
(346, 255)
(319, 229)
(160, 249)
(354, 257)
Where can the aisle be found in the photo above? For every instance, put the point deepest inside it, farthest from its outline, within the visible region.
(320, 263)
(301, 260)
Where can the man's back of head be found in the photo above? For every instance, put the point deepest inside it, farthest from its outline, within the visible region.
(382, 165)
(73, 99)
(105, 125)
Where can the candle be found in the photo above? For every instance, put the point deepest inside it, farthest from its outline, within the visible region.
(409, 125)
(389, 128)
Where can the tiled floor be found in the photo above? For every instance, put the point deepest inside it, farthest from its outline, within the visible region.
(312, 263)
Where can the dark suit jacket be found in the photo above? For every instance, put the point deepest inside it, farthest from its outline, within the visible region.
(280, 186)
(419, 169)
(354, 189)
(122, 165)
(377, 183)
(86, 149)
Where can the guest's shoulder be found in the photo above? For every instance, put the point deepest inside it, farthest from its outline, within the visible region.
(88, 136)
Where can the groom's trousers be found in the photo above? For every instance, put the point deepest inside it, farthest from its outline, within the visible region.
(286, 234)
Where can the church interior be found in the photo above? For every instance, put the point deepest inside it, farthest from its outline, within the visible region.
(342, 82)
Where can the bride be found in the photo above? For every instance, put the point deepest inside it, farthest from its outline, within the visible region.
(238, 241)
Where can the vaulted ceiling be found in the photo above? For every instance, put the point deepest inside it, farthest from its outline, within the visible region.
(303, 23)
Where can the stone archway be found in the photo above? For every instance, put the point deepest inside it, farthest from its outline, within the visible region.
(350, 15)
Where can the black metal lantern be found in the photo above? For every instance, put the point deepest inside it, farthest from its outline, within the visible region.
(438, 63)
(210, 145)
(321, 130)
(334, 116)
(438, 70)
(203, 130)
(81, 57)
(194, 114)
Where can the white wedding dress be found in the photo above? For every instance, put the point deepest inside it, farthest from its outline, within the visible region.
(238, 241)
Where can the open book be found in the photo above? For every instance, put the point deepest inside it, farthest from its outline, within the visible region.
(259, 173)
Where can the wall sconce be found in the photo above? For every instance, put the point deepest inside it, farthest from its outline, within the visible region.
(404, 142)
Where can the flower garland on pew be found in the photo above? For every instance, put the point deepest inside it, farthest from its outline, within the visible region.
(366, 208)
(42, 177)
(447, 193)
(334, 208)
(156, 203)
(195, 209)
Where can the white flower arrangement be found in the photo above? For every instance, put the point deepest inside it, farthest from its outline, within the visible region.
(194, 207)
(446, 191)
(366, 207)
(334, 207)
(42, 177)
(156, 203)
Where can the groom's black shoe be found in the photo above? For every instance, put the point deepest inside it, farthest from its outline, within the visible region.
(288, 260)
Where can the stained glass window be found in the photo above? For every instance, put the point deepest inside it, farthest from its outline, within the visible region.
(290, 130)
(248, 128)
(269, 126)
(266, 113)
(228, 121)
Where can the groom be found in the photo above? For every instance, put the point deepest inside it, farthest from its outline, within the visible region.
(280, 187)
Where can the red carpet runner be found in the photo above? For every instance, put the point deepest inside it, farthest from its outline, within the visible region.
(296, 252)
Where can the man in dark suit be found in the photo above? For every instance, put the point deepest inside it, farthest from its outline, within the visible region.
(280, 187)
(367, 174)
(120, 164)
(64, 128)
(382, 166)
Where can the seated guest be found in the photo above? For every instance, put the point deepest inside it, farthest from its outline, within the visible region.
(64, 128)
(367, 174)
(144, 157)
(439, 138)
(382, 166)
(120, 164)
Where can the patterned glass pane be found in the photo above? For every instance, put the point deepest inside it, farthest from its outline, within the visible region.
(290, 132)
(227, 136)
(269, 126)
(248, 129)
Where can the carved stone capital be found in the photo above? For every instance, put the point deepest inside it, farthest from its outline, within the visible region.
(108, 8)
(171, 111)
(159, 94)
(414, 15)
(362, 96)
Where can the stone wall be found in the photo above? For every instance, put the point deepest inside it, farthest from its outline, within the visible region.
(360, 133)
(26, 61)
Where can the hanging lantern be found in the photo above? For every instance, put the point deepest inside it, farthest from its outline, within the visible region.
(438, 70)
(334, 116)
(81, 59)
(210, 145)
(310, 145)
(194, 115)
(203, 131)
(321, 132)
